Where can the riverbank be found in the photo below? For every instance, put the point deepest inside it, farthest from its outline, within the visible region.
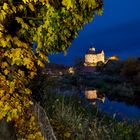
(73, 119)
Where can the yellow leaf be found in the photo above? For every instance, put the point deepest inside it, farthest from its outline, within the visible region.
(16, 53)
(7, 108)
(1, 27)
(8, 38)
(1, 34)
(6, 72)
(4, 64)
(69, 4)
(3, 42)
(12, 87)
(31, 7)
(28, 91)
(2, 93)
(31, 136)
(32, 74)
(35, 1)
(21, 21)
(67, 134)
(25, 1)
(28, 63)
(5, 6)
(40, 63)
(1, 103)
(2, 15)
(31, 103)
(21, 73)
(14, 113)
(14, 9)
(20, 7)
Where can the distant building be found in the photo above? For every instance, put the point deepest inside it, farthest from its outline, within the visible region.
(71, 70)
(92, 57)
(112, 58)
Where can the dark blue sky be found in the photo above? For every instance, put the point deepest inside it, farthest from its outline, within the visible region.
(117, 32)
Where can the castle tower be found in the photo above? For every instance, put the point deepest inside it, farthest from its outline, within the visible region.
(92, 49)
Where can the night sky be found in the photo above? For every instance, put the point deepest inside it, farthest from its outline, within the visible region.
(117, 32)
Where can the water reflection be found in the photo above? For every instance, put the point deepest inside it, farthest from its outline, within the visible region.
(93, 96)
(119, 110)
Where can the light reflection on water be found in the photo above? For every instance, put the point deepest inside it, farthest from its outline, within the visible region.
(119, 110)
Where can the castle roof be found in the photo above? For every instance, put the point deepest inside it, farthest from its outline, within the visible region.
(94, 52)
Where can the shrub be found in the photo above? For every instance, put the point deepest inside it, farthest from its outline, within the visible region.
(131, 68)
(113, 67)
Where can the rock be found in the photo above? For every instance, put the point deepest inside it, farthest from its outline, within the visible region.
(7, 131)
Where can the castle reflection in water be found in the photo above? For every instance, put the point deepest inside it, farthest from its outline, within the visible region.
(93, 96)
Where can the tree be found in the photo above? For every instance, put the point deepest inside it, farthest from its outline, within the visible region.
(52, 24)
(130, 67)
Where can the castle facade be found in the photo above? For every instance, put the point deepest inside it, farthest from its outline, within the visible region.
(92, 57)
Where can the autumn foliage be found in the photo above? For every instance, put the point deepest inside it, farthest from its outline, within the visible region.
(52, 24)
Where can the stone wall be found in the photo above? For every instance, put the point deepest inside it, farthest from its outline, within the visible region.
(90, 58)
(93, 59)
(7, 131)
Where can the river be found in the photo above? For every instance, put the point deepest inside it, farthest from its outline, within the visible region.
(113, 108)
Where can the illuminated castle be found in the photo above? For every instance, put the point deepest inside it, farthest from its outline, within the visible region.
(92, 57)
